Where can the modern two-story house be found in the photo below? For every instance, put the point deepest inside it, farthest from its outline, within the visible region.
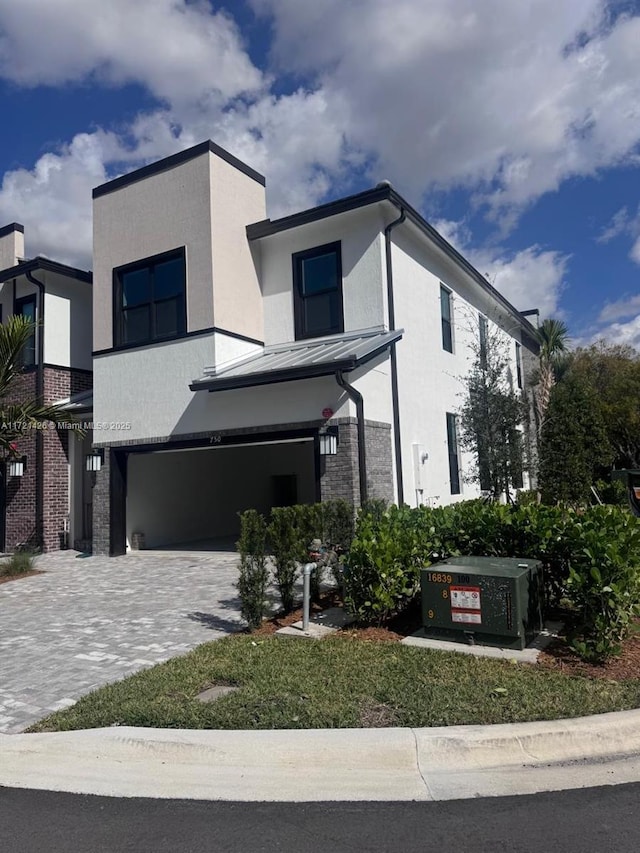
(243, 362)
(45, 499)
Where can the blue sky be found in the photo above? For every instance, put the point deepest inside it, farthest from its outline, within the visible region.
(513, 126)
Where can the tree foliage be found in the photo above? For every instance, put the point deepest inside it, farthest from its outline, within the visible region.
(17, 416)
(613, 373)
(490, 416)
(574, 445)
(553, 337)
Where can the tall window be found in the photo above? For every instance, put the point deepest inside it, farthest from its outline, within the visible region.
(317, 292)
(26, 307)
(150, 299)
(445, 313)
(452, 442)
(483, 341)
(519, 364)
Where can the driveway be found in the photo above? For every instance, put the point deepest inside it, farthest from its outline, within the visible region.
(89, 621)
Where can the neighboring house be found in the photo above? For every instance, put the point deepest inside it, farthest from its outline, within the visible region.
(242, 362)
(49, 505)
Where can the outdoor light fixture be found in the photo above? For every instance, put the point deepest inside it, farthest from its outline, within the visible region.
(95, 459)
(329, 441)
(17, 467)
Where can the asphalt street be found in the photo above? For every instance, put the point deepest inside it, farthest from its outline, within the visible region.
(591, 820)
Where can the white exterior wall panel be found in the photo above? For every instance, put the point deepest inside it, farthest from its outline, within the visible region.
(364, 300)
(149, 389)
(430, 379)
(163, 212)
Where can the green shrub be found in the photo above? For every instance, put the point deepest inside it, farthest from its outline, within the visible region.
(284, 548)
(17, 564)
(382, 572)
(337, 525)
(604, 580)
(254, 575)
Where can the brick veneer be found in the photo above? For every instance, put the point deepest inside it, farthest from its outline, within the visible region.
(21, 495)
(340, 473)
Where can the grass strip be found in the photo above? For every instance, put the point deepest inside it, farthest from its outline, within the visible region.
(337, 683)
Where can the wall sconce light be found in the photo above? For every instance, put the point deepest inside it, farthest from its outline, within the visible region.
(329, 441)
(17, 467)
(95, 459)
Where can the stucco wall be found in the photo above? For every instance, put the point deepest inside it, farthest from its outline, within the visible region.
(148, 388)
(364, 299)
(430, 378)
(162, 212)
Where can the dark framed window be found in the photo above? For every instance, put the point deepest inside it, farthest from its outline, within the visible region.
(483, 327)
(446, 315)
(519, 364)
(452, 443)
(149, 299)
(26, 307)
(317, 292)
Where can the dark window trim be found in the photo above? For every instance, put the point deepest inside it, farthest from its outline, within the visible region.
(298, 300)
(454, 454)
(519, 365)
(483, 332)
(152, 260)
(31, 299)
(446, 321)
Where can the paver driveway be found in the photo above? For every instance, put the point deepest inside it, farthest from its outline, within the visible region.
(86, 622)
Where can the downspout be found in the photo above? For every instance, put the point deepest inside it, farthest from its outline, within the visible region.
(394, 361)
(40, 398)
(356, 396)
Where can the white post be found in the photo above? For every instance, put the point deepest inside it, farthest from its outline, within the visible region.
(306, 587)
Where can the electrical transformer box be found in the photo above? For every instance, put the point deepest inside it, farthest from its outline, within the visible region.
(491, 601)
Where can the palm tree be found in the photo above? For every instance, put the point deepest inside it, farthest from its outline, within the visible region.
(553, 337)
(19, 415)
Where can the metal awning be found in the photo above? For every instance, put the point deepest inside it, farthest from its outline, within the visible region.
(77, 404)
(298, 360)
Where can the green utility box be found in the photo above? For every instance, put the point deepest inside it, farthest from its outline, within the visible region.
(491, 601)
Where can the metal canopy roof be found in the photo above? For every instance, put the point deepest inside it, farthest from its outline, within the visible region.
(78, 403)
(298, 360)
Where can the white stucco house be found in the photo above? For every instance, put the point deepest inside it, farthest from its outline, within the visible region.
(246, 362)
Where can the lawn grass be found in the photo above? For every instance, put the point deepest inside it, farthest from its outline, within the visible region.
(338, 683)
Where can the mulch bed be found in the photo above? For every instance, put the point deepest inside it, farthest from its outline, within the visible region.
(558, 656)
(7, 578)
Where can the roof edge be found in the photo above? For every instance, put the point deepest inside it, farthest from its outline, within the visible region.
(174, 160)
(11, 228)
(46, 264)
(385, 192)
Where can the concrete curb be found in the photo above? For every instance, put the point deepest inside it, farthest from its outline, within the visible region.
(329, 764)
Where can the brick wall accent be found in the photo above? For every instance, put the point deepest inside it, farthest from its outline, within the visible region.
(20, 512)
(379, 461)
(339, 474)
(101, 524)
(21, 501)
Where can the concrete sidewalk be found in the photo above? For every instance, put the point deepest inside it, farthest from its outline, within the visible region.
(336, 764)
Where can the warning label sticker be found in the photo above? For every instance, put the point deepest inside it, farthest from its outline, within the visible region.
(466, 617)
(465, 597)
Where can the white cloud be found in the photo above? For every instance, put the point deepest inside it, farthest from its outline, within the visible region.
(508, 97)
(529, 278)
(624, 224)
(505, 99)
(181, 51)
(621, 308)
(617, 333)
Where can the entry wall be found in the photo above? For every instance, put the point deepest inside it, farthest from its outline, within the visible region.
(188, 495)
